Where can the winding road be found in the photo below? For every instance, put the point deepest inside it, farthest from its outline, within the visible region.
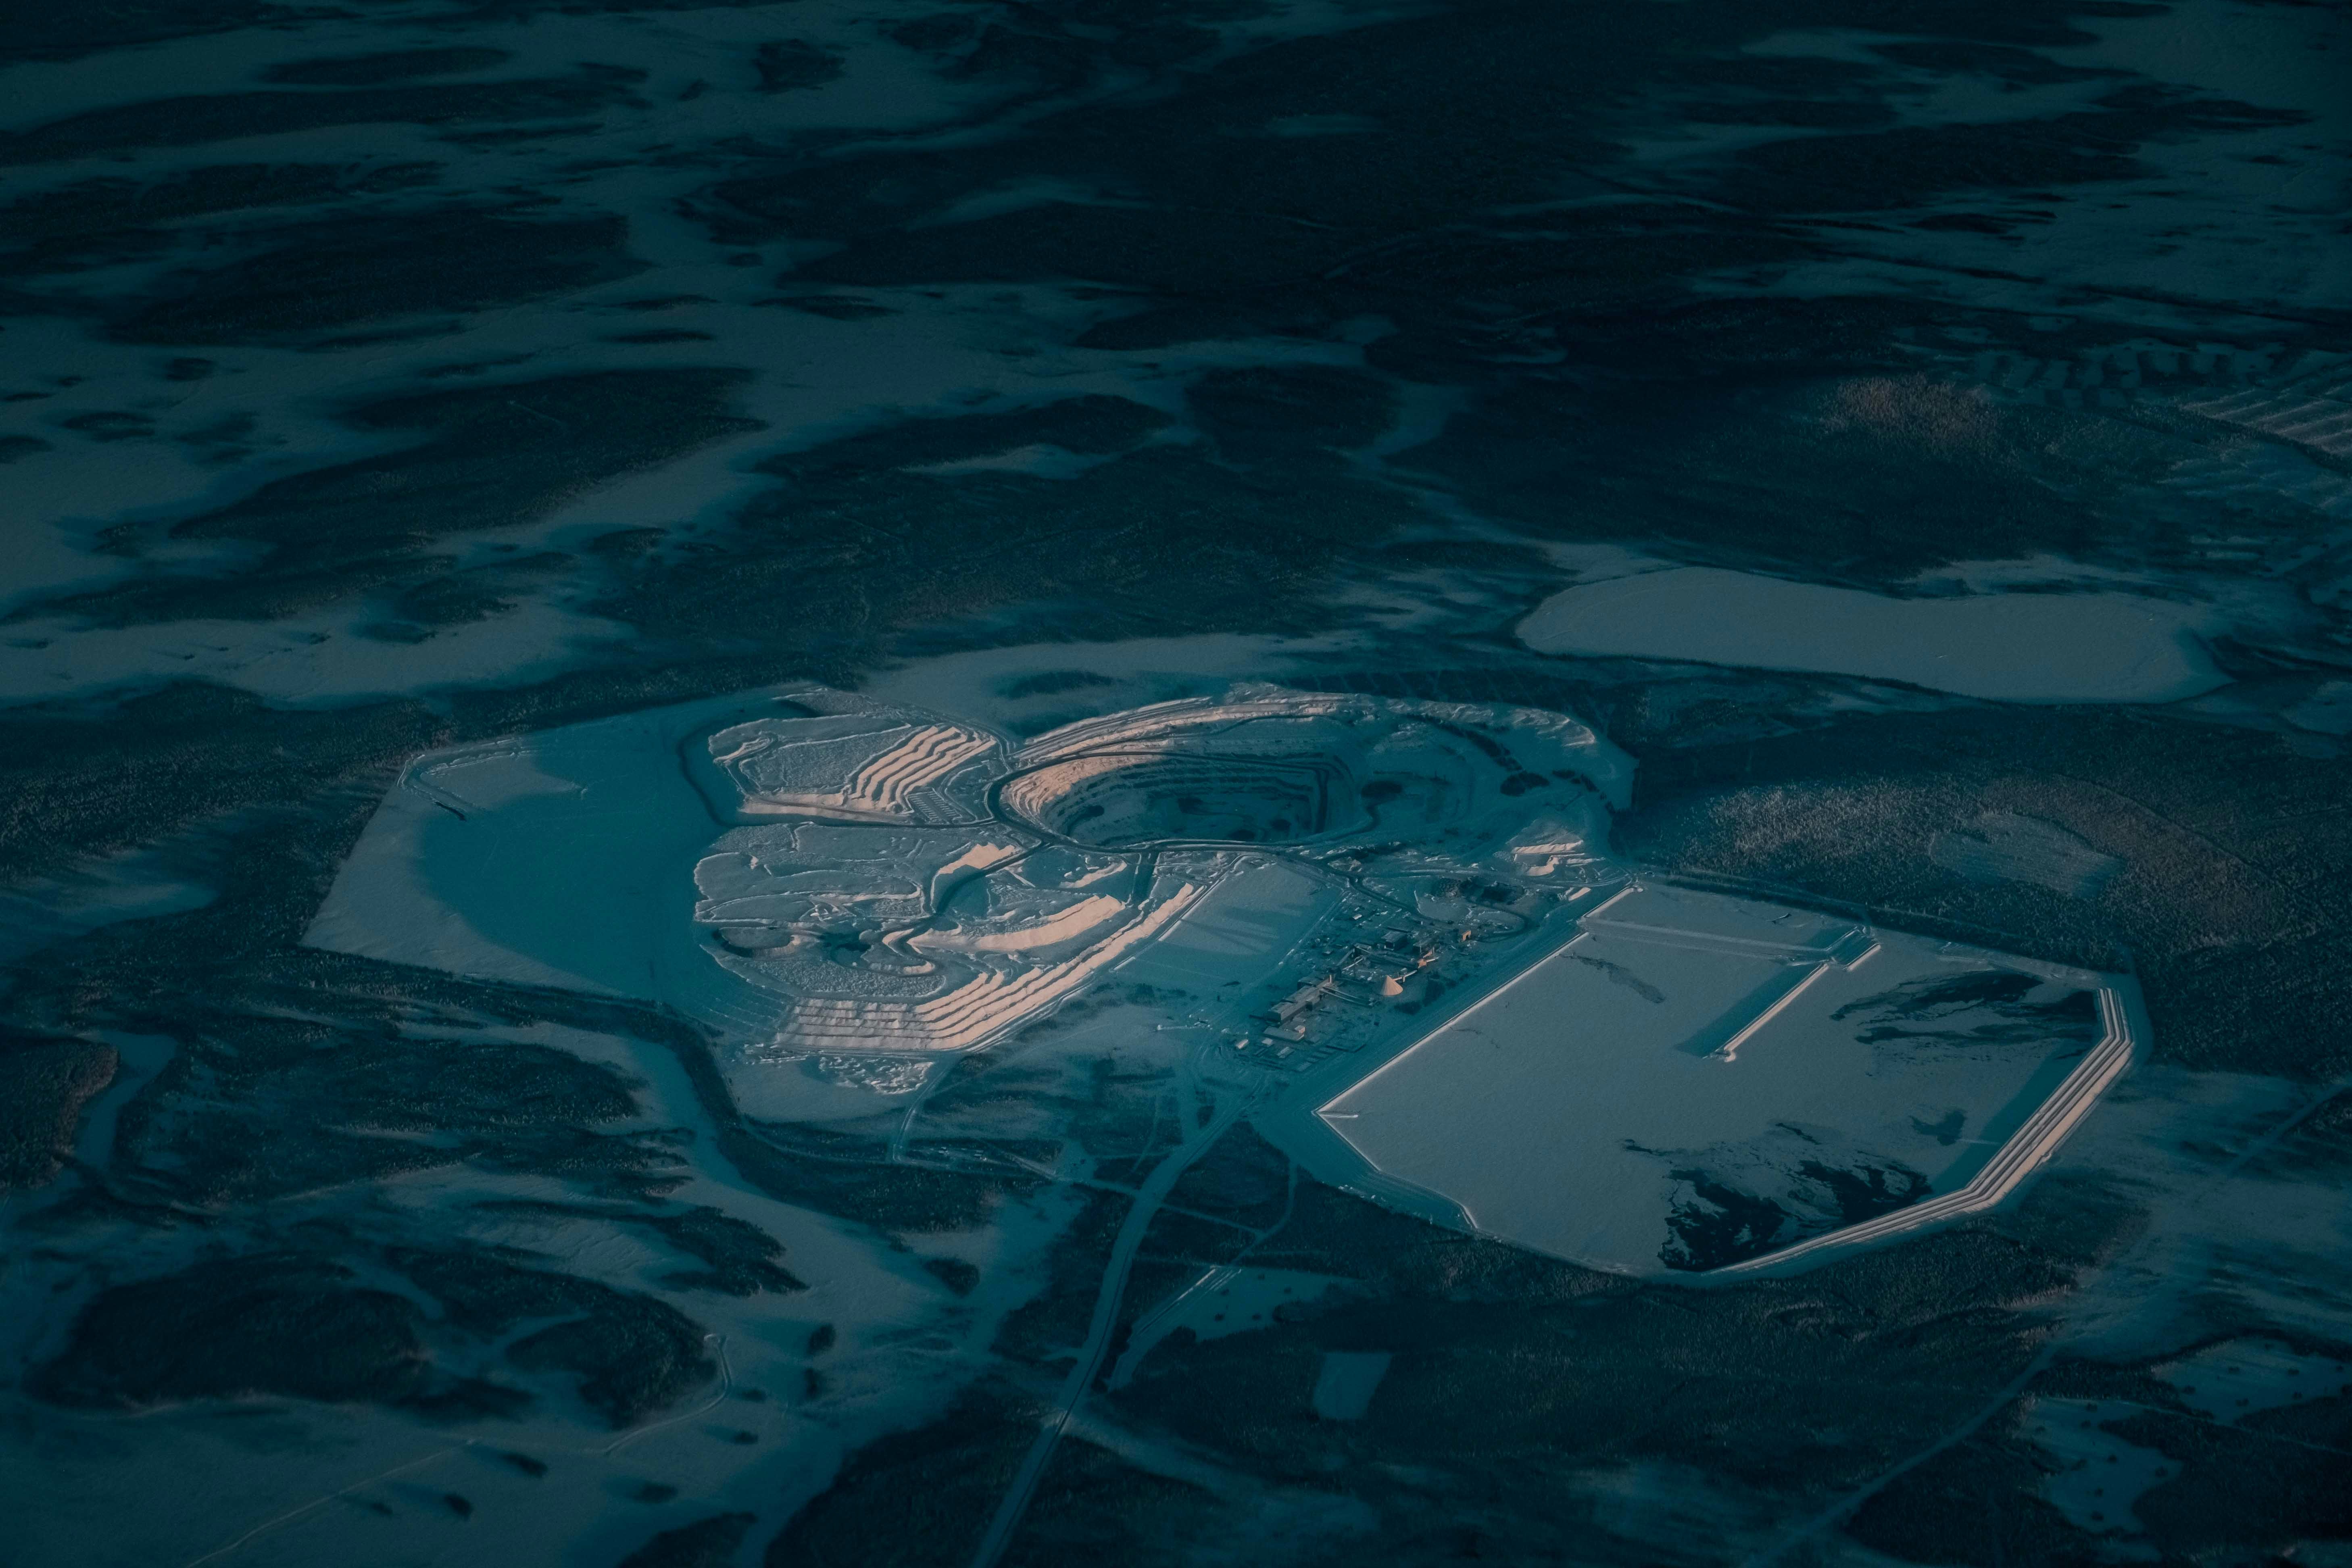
(1124, 1247)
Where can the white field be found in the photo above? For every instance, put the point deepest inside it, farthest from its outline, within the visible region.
(1683, 1038)
(2244, 1377)
(2094, 1477)
(2012, 648)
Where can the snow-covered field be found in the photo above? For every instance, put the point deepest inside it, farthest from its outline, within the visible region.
(1693, 1082)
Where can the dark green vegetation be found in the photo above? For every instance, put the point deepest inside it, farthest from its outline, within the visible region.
(917, 1497)
(796, 63)
(631, 1354)
(957, 1275)
(44, 1084)
(2227, 910)
(196, 119)
(706, 1543)
(1514, 1376)
(481, 458)
(1048, 1331)
(873, 547)
(302, 1328)
(247, 1111)
(1508, 1365)
(1450, 176)
(75, 786)
(1224, 1207)
(105, 221)
(1463, 193)
(856, 1179)
(1093, 1504)
(336, 275)
(374, 71)
(1516, 1379)
(38, 32)
(737, 1257)
(243, 1326)
(925, 1496)
(291, 1078)
(2272, 1479)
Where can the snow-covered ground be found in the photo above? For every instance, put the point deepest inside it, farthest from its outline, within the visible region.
(1693, 1082)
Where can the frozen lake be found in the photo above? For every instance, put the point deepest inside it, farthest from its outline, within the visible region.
(1696, 1080)
(2012, 648)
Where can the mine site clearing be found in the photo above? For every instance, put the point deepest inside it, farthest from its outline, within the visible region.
(1388, 915)
(818, 877)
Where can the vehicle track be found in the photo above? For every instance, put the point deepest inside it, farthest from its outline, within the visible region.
(1129, 1242)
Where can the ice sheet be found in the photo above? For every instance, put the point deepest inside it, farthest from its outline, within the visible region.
(2014, 647)
(1661, 1092)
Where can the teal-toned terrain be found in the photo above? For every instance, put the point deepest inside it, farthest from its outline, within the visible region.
(1175, 781)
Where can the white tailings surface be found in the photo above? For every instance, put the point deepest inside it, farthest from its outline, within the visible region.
(1701, 1083)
